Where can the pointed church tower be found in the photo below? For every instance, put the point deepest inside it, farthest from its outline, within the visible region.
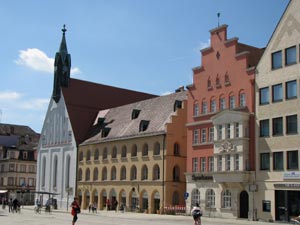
(62, 68)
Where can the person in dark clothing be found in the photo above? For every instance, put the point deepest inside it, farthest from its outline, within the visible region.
(75, 210)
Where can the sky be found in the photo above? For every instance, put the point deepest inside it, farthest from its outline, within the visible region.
(143, 45)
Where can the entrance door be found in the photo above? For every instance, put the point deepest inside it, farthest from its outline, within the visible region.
(244, 204)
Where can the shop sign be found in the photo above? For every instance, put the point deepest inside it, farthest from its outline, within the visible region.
(291, 175)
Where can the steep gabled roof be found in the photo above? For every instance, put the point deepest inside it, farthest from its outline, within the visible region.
(84, 100)
(148, 117)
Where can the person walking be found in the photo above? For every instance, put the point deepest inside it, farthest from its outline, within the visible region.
(75, 210)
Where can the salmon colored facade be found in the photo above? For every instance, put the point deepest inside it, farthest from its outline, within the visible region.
(220, 127)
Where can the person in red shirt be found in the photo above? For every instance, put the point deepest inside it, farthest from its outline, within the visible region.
(75, 210)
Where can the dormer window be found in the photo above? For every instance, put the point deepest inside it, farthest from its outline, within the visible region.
(177, 105)
(105, 132)
(144, 125)
(25, 155)
(135, 113)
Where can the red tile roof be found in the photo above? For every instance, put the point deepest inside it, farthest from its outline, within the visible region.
(84, 99)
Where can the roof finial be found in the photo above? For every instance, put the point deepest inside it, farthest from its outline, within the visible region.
(218, 14)
(64, 29)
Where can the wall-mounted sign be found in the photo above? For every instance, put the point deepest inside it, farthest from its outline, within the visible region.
(291, 175)
(201, 177)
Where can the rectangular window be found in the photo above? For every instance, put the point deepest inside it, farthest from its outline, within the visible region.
(277, 126)
(213, 107)
(219, 127)
(31, 169)
(203, 135)
(231, 102)
(292, 124)
(278, 161)
(211, 164)
(277, 93)
(219, 163)
(196, 109)
(227, 162)
(10, 181)
(236, 130)
(277, 60)
(265, 161)
(290, 55)
(264, 128)
(195, 164)
(264, 96)
(204, 107)
(228, 131)
(211, 134)
(203, 164)
(196, 137)
(22, 181)
(292, 160)
(236, 162)
(22, 168)
(11, 167)
(291, 89)
(30, 182)
(222, 104)
(242, 100)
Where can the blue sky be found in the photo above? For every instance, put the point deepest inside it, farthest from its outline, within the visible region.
(144, 45)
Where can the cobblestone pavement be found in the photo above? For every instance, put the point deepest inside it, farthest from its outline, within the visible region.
(60, 217)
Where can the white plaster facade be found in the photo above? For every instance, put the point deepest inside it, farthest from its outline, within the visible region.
(57, 156)
(277, 180)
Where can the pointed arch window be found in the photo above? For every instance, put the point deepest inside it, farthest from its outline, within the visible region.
(96, 154)
(80, 175)
(55, 165)
(113, 173)
(176, 149)
(68, 169)
(44, 172)
(145, 150)
(88, 155)
(176, 174)
(95, 174)
(156, 172)
(80, 156)
(145, 173)
(104, 173)
(104, 154)
(87, 174)
(114, 153)
(123, 173)
(133, 173)
(156, 149)
(124, 152)
(134, 151)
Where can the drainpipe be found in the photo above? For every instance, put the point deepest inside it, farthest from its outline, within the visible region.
(163, 181)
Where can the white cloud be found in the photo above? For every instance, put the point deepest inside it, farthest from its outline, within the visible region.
(34, 104)
(166, 93)
(9, 95)
(36, 59)
(202, 45)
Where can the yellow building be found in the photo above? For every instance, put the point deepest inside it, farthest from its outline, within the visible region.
(136, 155)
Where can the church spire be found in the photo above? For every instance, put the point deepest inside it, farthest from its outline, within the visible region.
(62, 67)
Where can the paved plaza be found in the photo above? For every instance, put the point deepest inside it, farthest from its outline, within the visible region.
(60, 217)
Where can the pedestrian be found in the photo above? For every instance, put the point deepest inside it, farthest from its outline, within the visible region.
(94, 207)
(75, 210)
(116, 205)
(107, 204)
(10, 205)
(90, 207)
(197, 213)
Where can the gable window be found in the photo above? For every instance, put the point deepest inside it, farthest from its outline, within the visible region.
(277, 126)
(292, 160)
(277, 60)
(211, 164)
(291, 124)
(211, 134)
(203, 135)
(196, 136)
(265, 161)
(222, 103)
(290, 55)
(278, 161)
(204, 107)
(196, 109)
(277, 93)
(213, 106)
(264, 96)
(242, 99)
(232, 102)
(203, 164)
(195, 164)
(264, 128)
(291, 89)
